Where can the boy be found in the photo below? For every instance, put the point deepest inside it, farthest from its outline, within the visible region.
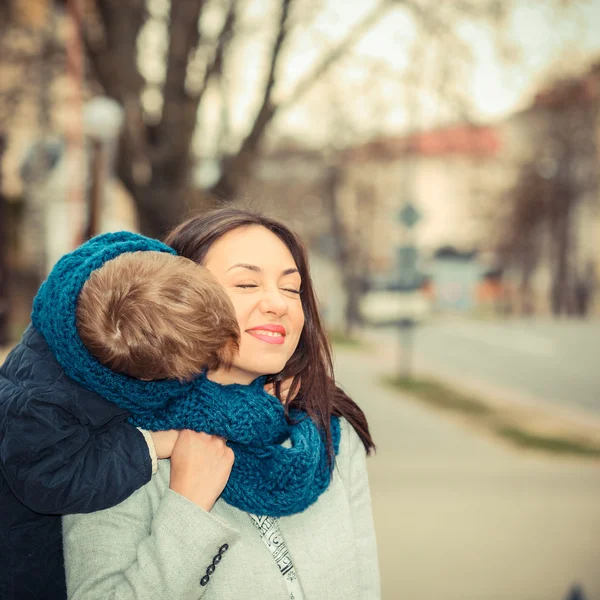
(144, 313)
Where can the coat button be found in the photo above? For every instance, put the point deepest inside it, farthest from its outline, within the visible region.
(204, 580)
(217, 559)
(223, 548)
(210, 569)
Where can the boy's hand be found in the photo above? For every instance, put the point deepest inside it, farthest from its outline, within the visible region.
(164, 441)
(285, 390)
(200, 467)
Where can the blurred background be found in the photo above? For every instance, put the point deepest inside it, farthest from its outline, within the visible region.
(441, 159)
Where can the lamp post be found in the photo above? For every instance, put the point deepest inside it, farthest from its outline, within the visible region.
(102, 122)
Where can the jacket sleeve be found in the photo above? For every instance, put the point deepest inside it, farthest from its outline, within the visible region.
(135, 550)
(362, 516)
(59, 458)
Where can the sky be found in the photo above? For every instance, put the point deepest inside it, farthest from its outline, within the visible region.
(546, 41)
(357, 101)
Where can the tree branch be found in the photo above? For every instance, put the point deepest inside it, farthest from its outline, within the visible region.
(334, 55)
(184, 35)
(238, 167)
(110, 42)
(122, 22)
(216, 65)
(180, 114)
(267, 109)
(95, 49)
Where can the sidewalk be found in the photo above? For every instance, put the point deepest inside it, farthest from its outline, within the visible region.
(535, 413)
(461, 517)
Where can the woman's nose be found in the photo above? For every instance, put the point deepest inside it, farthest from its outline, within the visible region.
(273, 302)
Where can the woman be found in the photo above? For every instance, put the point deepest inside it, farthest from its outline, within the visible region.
(177, 537)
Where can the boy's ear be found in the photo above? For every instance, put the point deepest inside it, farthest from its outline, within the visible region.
(229, 352)
(223, 358)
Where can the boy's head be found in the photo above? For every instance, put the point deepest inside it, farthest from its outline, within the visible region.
(154, 315)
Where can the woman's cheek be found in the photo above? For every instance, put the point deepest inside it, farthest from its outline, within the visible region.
(238, 306)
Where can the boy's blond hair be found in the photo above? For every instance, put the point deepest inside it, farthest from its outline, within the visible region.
(154, 315)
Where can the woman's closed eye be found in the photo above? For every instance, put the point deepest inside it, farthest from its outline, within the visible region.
(245, 286)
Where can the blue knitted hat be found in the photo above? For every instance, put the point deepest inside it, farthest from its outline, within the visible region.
(267, 478)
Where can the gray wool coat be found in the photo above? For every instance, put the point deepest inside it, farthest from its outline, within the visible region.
(157, 545)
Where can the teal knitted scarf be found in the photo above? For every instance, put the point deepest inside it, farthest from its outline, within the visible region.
(267, 478)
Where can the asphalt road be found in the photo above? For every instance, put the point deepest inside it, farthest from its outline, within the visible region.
(555, 361)
(461, 517)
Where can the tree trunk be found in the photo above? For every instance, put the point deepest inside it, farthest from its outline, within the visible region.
(561, 240)
(165, 202)
(345, 258)
(160, 206)
(352, 310)
(527, 304)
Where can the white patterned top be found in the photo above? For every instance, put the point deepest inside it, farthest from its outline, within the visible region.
(268, 529)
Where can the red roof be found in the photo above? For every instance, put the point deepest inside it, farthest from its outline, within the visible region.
(461, 140)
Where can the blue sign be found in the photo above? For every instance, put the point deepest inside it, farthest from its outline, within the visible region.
(409, 215)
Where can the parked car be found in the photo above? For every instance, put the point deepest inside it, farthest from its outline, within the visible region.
(386, 307)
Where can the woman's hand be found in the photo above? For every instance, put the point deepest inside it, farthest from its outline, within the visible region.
(200, 467)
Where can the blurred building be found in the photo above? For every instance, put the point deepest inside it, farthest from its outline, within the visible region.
(522, 191)
(443, 172)
(345, 204)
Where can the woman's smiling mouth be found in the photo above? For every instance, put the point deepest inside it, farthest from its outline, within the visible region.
(271, 334)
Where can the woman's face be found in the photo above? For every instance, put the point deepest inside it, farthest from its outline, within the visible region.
(262, 280)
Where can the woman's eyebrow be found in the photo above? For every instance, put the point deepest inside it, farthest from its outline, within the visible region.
(257, 269)
(245, 266)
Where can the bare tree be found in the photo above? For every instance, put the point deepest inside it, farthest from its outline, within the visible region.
(352, 237)
(156, 152)
(196, 39)
(573, 121)
(520, 231)
(543, 217)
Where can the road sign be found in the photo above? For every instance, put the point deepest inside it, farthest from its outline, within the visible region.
(409, 215)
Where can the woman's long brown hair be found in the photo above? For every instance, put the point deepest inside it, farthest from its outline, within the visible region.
(310, 367)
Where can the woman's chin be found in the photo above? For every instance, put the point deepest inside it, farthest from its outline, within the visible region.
(267, 367)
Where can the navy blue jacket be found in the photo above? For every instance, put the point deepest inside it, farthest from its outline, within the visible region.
(63, 449)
